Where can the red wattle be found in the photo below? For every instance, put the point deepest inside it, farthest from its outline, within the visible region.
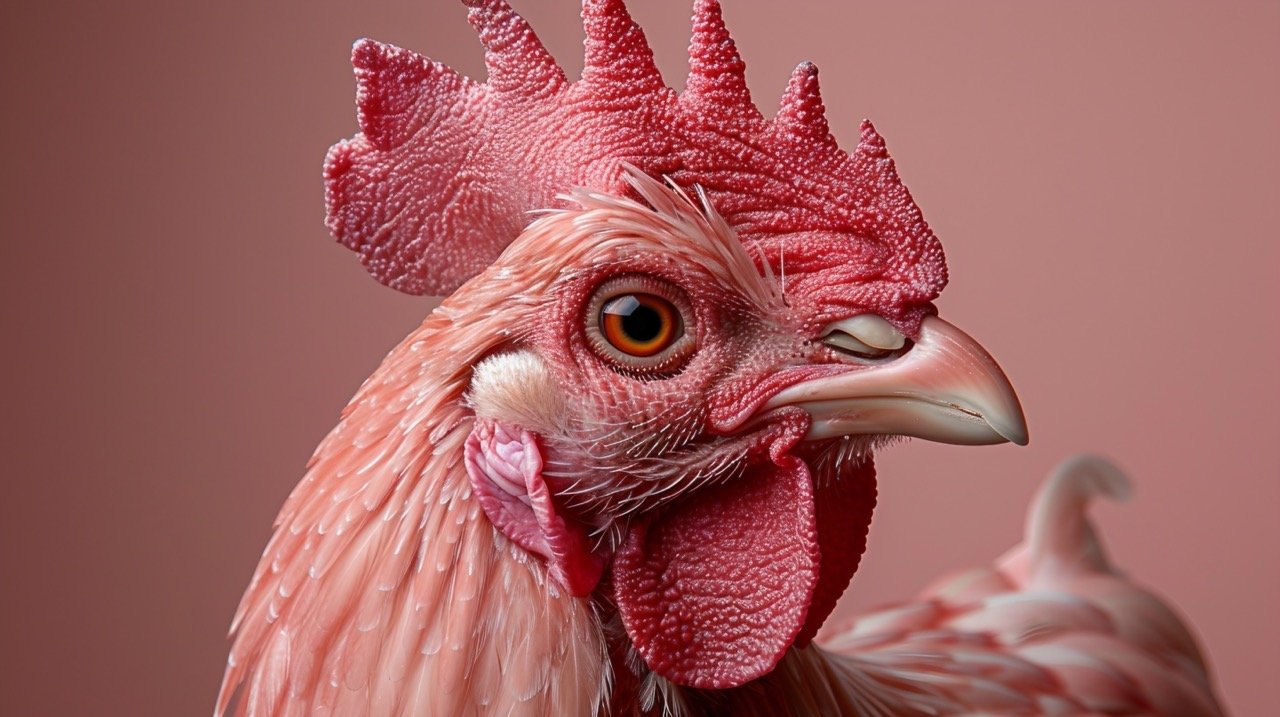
(844, 508)
(715, 590)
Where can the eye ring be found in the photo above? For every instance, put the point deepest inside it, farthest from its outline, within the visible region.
(640, 325)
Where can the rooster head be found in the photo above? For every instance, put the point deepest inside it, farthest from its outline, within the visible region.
(692, 349)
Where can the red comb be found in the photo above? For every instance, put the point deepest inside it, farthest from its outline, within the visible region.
(445, 169)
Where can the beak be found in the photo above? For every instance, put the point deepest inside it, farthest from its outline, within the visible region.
(946, 388)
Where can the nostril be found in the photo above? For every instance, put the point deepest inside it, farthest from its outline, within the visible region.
(852, 346)
(866, 337)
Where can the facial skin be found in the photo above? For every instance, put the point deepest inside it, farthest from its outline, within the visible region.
(748, 366)
(670, 396)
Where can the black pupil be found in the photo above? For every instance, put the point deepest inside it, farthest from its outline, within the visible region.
(640, 323)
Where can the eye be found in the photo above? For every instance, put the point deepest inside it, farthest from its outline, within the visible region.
(640, 325)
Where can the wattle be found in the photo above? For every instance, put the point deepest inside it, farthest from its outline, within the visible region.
(716, 588)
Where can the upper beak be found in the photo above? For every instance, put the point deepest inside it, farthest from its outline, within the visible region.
(946, 388)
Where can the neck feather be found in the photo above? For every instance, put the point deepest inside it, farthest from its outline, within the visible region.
(385, 589)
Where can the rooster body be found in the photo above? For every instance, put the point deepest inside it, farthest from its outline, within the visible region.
(627, 466)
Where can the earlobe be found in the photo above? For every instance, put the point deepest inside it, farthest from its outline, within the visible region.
(505, 466)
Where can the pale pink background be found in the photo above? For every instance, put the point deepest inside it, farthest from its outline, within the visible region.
(179, 330)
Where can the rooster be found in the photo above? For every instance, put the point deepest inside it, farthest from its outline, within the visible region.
(627, 466)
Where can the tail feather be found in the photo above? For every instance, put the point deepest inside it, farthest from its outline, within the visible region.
(1060, 541)
(1051, 629)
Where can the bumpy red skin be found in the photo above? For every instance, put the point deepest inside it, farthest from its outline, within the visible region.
(721, 586)
(445, 169)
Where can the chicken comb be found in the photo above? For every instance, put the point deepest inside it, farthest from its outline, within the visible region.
(444, 170)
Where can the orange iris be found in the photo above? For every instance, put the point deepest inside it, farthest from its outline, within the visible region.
(640, 324)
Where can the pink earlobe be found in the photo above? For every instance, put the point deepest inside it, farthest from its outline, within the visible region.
(505, 466)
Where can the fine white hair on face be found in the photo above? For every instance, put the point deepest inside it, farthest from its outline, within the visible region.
(516, 387)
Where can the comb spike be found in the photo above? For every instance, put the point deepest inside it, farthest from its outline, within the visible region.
(801, 112)
(617, 52)
(717, 74)
(870, 143)
(516, 59)
(391, 83)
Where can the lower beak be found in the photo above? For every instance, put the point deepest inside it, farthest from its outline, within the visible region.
(946, 388)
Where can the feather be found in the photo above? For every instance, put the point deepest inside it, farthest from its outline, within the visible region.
(383, 575)
(1052, 630)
